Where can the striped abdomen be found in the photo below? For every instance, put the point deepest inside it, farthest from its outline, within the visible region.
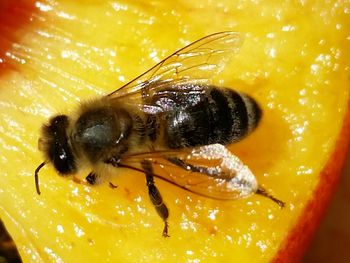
(203, 115)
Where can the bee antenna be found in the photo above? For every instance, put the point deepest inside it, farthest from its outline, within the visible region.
(36, 176)
(263, 192)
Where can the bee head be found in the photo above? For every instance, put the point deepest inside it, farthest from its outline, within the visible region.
(56, 147)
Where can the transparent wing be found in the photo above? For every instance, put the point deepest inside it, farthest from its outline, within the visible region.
(211, 171)
(196, 63)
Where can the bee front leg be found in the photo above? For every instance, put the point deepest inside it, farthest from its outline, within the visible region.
(91, 178)
(155, 196)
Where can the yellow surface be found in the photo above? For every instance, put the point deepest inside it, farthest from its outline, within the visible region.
(294, 61)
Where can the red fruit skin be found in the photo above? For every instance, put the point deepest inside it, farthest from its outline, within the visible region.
(14, 17)
(300, 237)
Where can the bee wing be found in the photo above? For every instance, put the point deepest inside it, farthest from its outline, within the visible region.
(211, 171)
(197, 62)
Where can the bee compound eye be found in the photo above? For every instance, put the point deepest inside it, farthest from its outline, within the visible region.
(62, 155)
(63, 160)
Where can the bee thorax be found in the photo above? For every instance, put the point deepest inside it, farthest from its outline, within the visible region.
(102, 132)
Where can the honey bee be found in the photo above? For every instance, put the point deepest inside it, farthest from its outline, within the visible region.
(170, 122)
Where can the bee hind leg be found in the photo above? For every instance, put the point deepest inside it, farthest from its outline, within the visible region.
(155, 196)
(263, 192)
(194, 168)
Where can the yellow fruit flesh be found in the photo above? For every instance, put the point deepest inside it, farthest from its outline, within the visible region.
(294, 61)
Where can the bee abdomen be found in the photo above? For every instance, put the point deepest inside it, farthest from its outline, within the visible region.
(221, 116)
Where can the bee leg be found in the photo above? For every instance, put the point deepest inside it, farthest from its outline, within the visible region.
(194, 168)
(113, 186)
(263, 192)
(189, 167)
(91, 178)
(155, 196)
